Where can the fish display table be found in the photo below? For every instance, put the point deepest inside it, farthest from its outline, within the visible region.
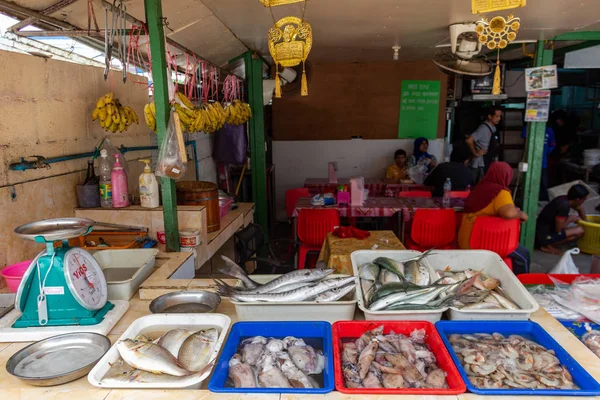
(14, 389)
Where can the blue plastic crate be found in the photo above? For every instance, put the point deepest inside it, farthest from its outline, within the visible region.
(304, 330)
(578, 327)
(587, 385)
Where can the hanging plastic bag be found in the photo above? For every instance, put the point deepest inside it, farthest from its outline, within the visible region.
(566, 265)
(418, 173)
(111, 150)
(170, 163)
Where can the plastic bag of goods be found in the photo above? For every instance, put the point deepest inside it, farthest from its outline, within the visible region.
(170, 163)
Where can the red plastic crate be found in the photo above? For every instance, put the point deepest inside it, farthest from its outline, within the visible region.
(354, 329)
(544, 279)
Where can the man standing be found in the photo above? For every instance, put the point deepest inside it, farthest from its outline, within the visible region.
(479, 142)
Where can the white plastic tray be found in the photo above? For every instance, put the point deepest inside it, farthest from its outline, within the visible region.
(143, 259)
(159, 323)
(361, 257)
(492, 265)
(295, 311)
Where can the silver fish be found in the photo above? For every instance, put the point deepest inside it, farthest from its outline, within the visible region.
(197, 349)
(297, 276)
(234, 270)
(395, 267)
(417, 273)
(150, 357)
(425, 298)
(397, 297)
(506, 303)
(120, 372)
(241, 373)
(294, 295)
(335, 293)
(388, 277)
(368, 274)
(172, 340)
(290, 287)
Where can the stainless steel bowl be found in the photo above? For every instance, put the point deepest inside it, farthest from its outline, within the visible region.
(59, 359)
(190, 302)
(55, 229)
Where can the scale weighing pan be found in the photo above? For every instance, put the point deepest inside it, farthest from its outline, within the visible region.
(51, 230)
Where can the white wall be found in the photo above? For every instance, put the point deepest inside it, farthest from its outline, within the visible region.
(297, 160)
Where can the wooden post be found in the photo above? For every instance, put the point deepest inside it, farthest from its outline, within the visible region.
(535, 154)
(161, 99)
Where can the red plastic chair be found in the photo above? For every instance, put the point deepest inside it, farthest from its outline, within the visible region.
(432, 228)
(291, 198)
(313, 227)
(496, 234)
(415, 193)
(459, 194)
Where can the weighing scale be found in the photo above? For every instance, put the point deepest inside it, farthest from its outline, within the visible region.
(64, 288)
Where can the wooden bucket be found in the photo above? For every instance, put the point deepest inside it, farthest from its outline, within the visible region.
(197, 193)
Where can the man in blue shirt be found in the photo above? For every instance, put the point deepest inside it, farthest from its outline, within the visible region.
(549, 145)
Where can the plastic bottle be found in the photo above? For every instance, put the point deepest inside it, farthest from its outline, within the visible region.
(148, 187)
(120, 189)
(447, 190)
(104, 169)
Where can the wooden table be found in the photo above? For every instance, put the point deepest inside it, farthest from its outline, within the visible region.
(336, 251)
(12, 388)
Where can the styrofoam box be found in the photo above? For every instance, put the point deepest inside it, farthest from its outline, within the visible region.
(143, 259)
(492, 265)
(295, 311)
(361, 257)
(162, 323)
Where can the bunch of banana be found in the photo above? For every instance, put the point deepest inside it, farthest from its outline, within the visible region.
(150, 115)
(214, 117)
(113, 116)
(238, 113)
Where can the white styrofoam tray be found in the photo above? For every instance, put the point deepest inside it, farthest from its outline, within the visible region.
(160, 323)
(361, 257)
(492, 265)
(295, 311)
(33, 334)
(142, 259)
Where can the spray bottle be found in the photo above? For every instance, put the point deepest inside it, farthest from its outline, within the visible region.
(120, 188)
(148, 187)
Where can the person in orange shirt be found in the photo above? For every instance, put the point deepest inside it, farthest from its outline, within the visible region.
(491, 197)
(399, 170)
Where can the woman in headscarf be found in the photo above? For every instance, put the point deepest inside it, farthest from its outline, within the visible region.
(492, 198)
(421, 156)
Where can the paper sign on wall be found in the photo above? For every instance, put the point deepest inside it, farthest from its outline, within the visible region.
(541, 78)
(538, 106)
(419, 109)
(484, 6)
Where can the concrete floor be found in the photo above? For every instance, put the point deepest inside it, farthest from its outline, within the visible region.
(542, 262)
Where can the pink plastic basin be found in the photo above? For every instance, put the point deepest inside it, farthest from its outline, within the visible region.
(13, 274)
(224, 206)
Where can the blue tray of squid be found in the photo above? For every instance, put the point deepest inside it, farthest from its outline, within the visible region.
(530, 330)
(315, 333)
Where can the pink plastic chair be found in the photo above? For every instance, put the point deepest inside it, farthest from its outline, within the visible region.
(415, 193)
(496, 234)
(313, 227)
(291, 198)
(432, 228)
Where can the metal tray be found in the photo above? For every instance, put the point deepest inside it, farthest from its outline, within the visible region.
(59, 359)
(198, 301)
(55, 229)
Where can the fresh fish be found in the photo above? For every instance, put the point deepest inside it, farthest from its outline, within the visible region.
(307, 359)
(297, 276)
(235, 271)
(150, 357)
(417, 273)
(335, 293)
(121, 373)
(506, 303)
(295, 376)
(425, 298)
(397, 297)
(388, 277)
(295, 295)
(252, 350)
(241, 373)
(368, 274)
(269, 375)
(197, 349)
(366, 358)
(173, 339)
(395, 267)
(142, 338)
(290, 287)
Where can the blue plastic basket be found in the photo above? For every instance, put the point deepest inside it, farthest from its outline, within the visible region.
(587, 385)
(303, 330)
(578, 327)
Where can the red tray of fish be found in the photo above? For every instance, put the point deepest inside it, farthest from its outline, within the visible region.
(403, 357)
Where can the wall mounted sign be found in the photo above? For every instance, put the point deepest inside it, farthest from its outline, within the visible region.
(419, 109)
(538, 106)
(484, 6)
(541, 78)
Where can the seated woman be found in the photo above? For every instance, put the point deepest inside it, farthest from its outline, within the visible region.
(399, 170)
(421, 156)
(491, 197)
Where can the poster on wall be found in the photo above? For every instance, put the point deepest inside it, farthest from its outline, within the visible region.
(419, 109)
(541, 78)
(538, 106)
